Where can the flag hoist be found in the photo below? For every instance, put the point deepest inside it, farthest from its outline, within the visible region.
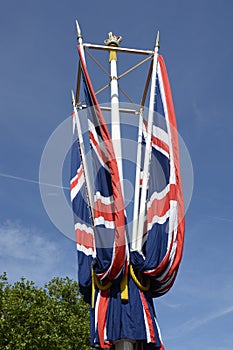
(119, 271)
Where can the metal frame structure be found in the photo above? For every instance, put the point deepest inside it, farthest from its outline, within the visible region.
(149, 53)
(112, 46)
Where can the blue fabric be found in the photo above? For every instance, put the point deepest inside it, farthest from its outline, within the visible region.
(81, 213)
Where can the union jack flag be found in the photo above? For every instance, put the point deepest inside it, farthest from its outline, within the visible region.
(82, 218)
(101, 231)
(164, 221)
(109, 210)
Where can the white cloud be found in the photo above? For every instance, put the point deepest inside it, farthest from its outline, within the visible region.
(220, 218)
(170, 304)
(195, 323)
(20, 242)
(30, 253)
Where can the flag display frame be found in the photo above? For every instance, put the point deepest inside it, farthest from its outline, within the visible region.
(120, 272)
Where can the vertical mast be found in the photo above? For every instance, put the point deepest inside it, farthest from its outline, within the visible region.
(116, 134)
(138, 164)
(80, 136)
(137, 183)
(115, 115)
(145, 179)
(80, 39)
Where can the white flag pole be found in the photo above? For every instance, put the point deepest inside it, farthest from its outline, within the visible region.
(80, 40)
(83, 156)
(145, 178)
(116, 136)
(79, 132)
(137, 184)
(115, 115)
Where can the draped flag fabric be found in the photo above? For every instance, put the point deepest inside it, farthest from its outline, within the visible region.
(109, 211)
(119, 284)
(164, 221)
(82, 218)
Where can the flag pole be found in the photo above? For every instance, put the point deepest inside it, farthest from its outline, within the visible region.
(83, 157)
(79, 132)
(145, 178)
(137, 183)
(80, 40)
(114, 41)
(138, 163)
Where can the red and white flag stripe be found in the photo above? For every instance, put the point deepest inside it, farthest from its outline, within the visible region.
(76, 183)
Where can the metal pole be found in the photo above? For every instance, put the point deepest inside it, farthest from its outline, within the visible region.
(124, 345)
(83, 156)
(79, 130)
(137, 184)
(80, 39)
(115, 115)
(116, 135)
(145, 178)
(120, 49)
(138, 164)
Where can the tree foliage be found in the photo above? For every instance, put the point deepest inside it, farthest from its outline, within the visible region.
(53, 317)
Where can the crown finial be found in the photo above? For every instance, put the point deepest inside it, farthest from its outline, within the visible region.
(113, 40)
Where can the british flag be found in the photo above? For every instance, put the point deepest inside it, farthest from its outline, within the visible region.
(109, 210)
(82, 217)
(101, 232)
(164, 220)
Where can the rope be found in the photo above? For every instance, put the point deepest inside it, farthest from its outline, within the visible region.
(123, 285)
(138, 284)
(128, 97)
(134, 67)
(123, 288)
(99, 285)
(103, 88)
(98, 64)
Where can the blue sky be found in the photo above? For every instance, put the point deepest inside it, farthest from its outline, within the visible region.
(38, 69)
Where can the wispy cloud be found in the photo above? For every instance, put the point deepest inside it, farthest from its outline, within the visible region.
(23, 243)
(196, 323)
(24, 179)
(220, 218)
(30, 253)
(171, 305)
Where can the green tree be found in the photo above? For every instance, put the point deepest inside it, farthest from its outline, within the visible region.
(51, 318)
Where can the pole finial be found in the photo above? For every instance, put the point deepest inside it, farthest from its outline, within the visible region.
(72, 98)
(157, 41)
(113, 40)
(79, 35)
